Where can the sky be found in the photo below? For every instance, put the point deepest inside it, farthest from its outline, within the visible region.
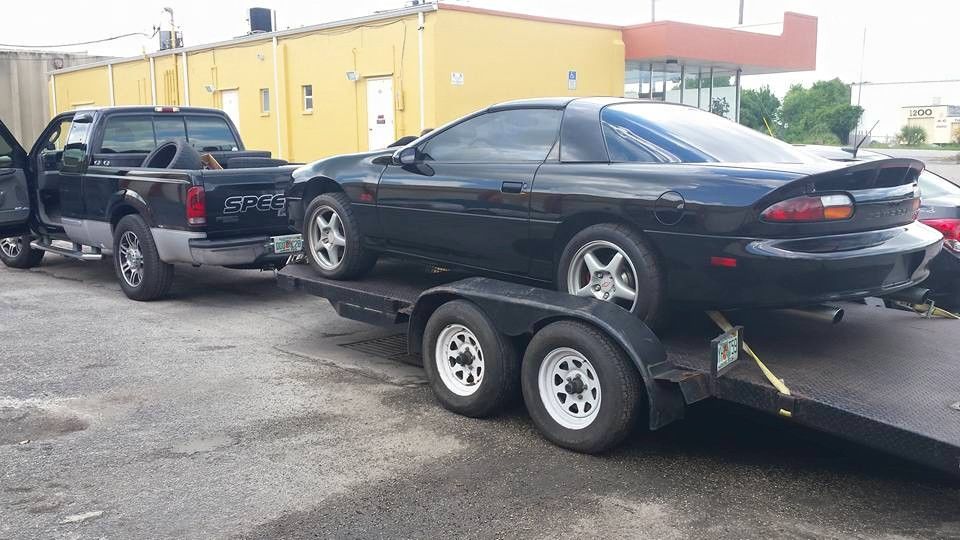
(905, 41)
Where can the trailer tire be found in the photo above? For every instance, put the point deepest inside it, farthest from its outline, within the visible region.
(353, 259)
(16, 252)
(580, 388)
(483, 377)
(132, 236)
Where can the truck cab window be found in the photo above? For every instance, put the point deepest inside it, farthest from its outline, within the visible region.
(76, 146)
(211, 134)
(128, 134)
(51, 155)
(169, 128)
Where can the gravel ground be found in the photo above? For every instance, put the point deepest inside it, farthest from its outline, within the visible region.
(230, 410)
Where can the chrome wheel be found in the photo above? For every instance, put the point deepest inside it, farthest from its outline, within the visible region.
(459, 359)
(12, 247)
(569, 388)
(327, 239)
(130, 259)
(604, 271)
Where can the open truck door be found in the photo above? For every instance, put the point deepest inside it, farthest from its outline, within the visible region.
(14, 189)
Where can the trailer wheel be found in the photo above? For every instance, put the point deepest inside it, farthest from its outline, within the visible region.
(472, 368)
(580, 388)
(141, 273)
(16, 252)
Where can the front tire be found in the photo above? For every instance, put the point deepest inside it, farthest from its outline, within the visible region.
(581, 390)
(334, 245)
(473, 369)
(141, 273)
(612, 263)
(16, 252)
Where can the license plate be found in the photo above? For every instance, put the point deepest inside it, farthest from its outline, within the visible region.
(726, 350)
(291, 243)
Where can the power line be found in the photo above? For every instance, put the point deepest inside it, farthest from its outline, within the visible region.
(880, 83)
(55, 46)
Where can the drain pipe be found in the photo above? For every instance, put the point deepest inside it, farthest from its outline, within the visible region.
(423, 117)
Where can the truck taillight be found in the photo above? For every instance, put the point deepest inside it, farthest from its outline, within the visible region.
(166, 109)
(950, 229)
(810, 208)
(196, 206)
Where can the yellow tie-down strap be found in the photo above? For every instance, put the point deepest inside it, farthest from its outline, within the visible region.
(777, 383)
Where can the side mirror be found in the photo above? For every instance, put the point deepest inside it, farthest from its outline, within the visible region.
(406, 156)
(83, 118)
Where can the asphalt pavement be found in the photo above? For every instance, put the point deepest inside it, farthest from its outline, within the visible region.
(232, 409)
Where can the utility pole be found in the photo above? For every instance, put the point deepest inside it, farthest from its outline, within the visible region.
(653, 10)
(740, 20)
(863, 54)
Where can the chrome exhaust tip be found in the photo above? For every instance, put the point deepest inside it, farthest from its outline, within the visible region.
(822, 313)
(913, 295)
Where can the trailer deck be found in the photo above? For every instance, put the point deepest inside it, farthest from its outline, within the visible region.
(883, 378)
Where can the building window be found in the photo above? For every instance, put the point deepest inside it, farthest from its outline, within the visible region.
(307, 91)
(264, 101)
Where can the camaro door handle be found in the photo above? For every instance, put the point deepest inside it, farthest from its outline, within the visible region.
(511, 187)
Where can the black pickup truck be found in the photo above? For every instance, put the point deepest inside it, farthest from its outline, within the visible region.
(130, 182)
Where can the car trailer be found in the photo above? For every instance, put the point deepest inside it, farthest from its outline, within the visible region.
(884, 378)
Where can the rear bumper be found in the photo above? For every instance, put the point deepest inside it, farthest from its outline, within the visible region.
(795, 272)
(195, 248)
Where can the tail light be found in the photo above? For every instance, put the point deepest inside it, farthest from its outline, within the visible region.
(950, 229)
(196, 206)
(807, 208)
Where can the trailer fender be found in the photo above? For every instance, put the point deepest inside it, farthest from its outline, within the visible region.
(520, 311)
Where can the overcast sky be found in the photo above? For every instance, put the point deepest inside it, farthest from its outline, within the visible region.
(914, 40)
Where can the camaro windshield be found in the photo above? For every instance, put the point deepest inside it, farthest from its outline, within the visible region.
(663, 132)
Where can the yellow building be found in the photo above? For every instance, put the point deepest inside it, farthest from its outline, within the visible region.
(362, 83)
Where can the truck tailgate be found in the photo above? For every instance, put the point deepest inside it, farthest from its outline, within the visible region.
(246, 201)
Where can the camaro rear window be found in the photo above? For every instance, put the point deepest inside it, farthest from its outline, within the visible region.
(662, 132)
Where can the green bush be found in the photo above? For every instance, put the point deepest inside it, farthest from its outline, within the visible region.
(912, 135)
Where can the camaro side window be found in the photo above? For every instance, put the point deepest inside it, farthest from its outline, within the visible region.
(515, 135)
(128, 134)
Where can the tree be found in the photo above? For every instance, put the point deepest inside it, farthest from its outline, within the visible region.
(757, 106)
(912, 135)
(809, 115)
(720, 107)
(718, 82)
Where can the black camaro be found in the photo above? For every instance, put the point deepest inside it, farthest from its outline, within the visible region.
(939, 208)
(639, 203)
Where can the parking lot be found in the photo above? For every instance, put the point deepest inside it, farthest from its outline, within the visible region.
(231, 409)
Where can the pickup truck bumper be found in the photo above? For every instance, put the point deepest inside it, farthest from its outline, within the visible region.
(195, 248)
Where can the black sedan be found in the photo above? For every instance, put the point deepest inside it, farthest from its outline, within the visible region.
(940, 209)
(645, 204)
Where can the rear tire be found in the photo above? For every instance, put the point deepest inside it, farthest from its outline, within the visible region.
(16, 252)
(639, 272)
(333, 243)
(580, 388)
(473, 369)
(141, 273)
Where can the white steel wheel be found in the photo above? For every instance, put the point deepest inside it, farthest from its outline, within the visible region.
(12, 247)
(459, 360)
(130, 258)
(602, 270)
(569, 388)
(327, 238)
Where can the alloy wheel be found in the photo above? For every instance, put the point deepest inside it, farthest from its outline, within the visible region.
(327, 238)
(459, 359)
(569, 388)
(603, 270)
(12, 247)
(130, 258)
